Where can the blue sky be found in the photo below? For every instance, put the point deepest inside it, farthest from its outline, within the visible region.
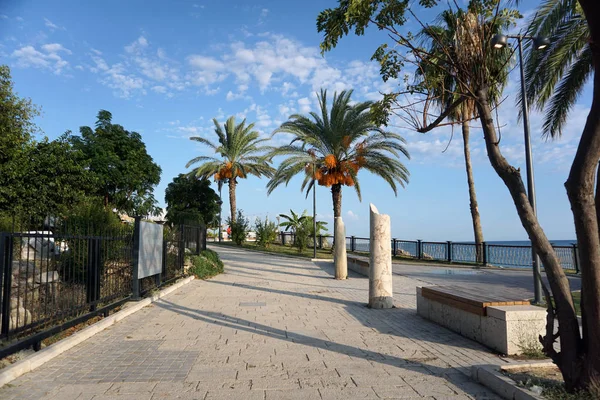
(165, 69)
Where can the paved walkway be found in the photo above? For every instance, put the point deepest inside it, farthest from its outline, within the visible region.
(269, 328)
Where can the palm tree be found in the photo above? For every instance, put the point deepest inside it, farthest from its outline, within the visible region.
(240, 154)
(556, 76)
(294, 221)
(445, 86)
(336, 144)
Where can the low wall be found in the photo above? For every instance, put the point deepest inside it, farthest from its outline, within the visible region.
(358, 265)
(506, 329)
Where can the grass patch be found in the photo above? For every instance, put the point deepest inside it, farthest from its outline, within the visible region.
(281, 249)
(206, 265)
(576, 302)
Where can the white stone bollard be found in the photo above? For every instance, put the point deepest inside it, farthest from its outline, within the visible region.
(380, 265)
(340, 259)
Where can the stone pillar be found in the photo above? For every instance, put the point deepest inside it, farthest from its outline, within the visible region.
(340, 259)
(380, 265)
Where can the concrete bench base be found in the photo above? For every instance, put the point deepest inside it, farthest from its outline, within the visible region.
(506, 329)
(358, 265)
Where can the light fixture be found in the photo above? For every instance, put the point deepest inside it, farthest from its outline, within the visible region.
(541, 42)
(499, 41)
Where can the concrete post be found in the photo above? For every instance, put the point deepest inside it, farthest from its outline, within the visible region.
(340, 259)
(380, 265)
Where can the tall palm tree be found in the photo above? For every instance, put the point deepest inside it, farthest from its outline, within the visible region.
(239, 154)
(441, 41)
(556, 76)
(330, 147)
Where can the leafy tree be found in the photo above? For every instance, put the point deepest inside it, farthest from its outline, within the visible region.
(125, 174)
(266, 232)
(579, 357)
(53, 179)
(190, 199)
(556, 76)
(240, 153)
(336, 144)
(16, 130)
(240, 226)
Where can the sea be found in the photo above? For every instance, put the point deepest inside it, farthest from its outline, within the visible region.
(503, 254)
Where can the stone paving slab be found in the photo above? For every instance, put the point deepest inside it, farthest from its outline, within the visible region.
(268, 328)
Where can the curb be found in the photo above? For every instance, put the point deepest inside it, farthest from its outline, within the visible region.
(30, 363)
(490, 377)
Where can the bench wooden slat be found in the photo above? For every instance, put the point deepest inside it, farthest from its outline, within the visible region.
(473, 301)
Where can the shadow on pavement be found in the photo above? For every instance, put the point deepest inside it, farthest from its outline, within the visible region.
(452, 375)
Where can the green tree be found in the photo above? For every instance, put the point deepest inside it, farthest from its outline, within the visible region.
(556, 77)
(335, 144)
(125, 174)
(266, 232)
(239, 153)
(579, 357)
(190, 199)
(16, 130)
(240, 227)
(53, 179)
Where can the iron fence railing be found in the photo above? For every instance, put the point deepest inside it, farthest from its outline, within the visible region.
(501, 255)
(61, 275)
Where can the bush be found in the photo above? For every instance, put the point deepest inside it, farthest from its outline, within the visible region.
(239, 228)
(303, 233)
(206, 265)
(266, 232)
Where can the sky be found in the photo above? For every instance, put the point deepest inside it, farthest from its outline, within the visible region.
(166, 69)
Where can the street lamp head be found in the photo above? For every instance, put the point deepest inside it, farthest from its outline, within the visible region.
(499, 41)
(541, 42)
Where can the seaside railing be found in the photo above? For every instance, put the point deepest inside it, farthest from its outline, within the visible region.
(486, 254)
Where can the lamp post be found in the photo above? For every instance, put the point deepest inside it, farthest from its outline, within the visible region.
(499, 41)
(220, 207)
(314, 209)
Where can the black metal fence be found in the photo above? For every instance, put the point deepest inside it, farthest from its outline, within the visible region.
(500, 255)
(61, 275)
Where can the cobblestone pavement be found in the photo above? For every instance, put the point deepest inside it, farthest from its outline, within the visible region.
(268, 328)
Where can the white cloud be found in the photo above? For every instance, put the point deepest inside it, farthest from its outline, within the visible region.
(48, 58)
(351, 215)
(55, 48)
(52, 26)
(19, 19)
(264, 12)
(159, 89)
(116, 78)
(2, 16)
(304, 104)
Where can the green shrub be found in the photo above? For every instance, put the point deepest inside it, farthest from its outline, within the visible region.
(206, 265)
(303, 234)
(266, 232)
(239, 228)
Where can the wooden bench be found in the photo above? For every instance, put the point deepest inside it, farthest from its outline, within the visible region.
(471, 300)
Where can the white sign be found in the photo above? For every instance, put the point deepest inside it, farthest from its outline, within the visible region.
(150, 250)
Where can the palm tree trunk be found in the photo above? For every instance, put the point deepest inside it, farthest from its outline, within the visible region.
(569, 358)
(232, 204)
(477, 231)
(336, 193)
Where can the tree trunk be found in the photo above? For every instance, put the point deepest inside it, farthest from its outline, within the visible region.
(580, 189)
(477, 231)
(568, 360)
(232, 205)
(336, 193)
